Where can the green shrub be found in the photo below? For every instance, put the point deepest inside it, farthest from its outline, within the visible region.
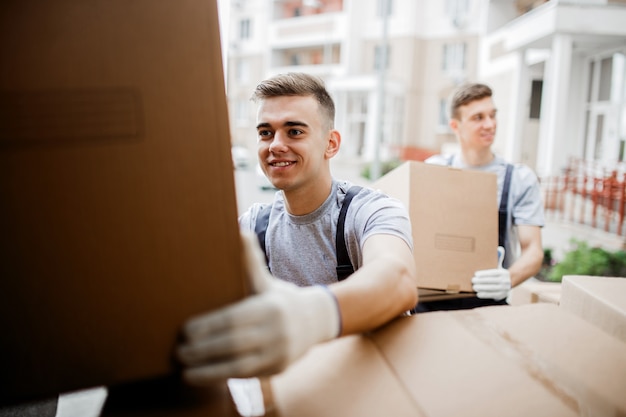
(587, 260)
(385, 167)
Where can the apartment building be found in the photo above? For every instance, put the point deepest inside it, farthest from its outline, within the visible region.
(389, 64)
(557, 68)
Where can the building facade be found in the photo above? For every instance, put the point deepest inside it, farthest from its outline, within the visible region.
(557, 69)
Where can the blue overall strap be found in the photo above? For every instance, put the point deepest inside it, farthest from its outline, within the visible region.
(262, 220)
(504, 206)
(344, 266)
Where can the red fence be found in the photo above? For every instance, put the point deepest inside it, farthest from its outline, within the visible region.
(587, 193)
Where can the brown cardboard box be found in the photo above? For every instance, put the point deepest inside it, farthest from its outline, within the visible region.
(454, 217)
(532, 360)
(599, 300)
(118, 216)
(534, 291)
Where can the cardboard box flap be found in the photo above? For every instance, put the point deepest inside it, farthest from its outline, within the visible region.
(454, 220)
(447, 368)
(532, 360)
(599, 300)
(534, 351)
(345, 377)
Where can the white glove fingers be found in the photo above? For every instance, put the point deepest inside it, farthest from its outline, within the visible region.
(226, 346)
(492, 283)
(486, 294)
(243, 313)
(490, 287)
(255, 363)
(488, 272)
(486, 280)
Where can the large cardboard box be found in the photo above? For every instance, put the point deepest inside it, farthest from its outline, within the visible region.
(532, 360)
(118, 218)
(454, 217)
(535, 291)
(599, 300)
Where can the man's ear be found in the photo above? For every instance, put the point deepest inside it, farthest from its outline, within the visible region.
(454, 124)
(333, 144)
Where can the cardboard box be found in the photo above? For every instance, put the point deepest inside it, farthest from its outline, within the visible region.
(118, 216)
(599, 300)
(534, 291)
(532, 360)
(454, 216)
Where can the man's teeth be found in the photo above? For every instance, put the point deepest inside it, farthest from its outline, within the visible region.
(281, 164)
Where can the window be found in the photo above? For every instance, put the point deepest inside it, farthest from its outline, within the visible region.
(242, 71)
(357, 117)
(384, 8)
(379, 58)
(454, 56)
(535, 99)
(457, 11)
(443, 113)
(606, 79)
(244, 29)
(241, 112)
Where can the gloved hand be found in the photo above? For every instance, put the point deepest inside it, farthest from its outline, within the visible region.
(493, 283)
(261, 334)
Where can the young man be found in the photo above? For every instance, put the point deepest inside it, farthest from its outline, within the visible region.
(473, 120)
(302, 302)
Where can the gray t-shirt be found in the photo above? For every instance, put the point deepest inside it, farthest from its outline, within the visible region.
(525, 202)
(301, 249)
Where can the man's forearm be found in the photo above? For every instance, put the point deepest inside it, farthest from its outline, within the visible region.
(526, 266)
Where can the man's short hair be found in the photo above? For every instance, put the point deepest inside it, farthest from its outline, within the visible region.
(465, 95)
(297, 84)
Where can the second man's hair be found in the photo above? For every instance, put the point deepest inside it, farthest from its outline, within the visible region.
(466, 94)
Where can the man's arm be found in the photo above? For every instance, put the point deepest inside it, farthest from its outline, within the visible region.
(383, 288)
(264, 333)
(529, 262)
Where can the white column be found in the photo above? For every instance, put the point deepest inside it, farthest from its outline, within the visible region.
(553, 146)
(519, 109)
(371, 126)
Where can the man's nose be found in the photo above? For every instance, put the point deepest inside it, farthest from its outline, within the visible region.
(279, 142)
(490, 122)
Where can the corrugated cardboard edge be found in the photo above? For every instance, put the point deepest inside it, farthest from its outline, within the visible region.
(599, 300)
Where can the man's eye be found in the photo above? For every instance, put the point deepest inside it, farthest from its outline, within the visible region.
(295, 132)
(264, 133)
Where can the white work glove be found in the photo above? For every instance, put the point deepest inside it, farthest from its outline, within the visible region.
(493, 283)
(262, 334)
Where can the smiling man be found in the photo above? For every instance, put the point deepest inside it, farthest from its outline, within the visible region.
(308, 297)
(473, 121)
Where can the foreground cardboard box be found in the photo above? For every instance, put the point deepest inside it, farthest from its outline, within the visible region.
(454, 217)
(532, 360)
(535, 291)
(599, 300)
(118, 216)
